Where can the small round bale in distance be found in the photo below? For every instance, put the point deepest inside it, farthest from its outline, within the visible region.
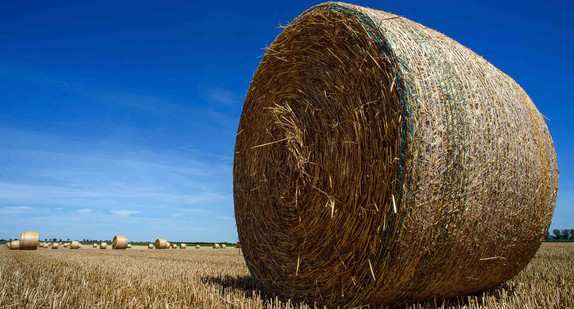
(14, 245)
(161, 243)
(103, 245)
(94, 245)
(215, 246)
(223, 246)
(75, 245)
(29, 240)
(174, 246)
(149, 246)
(129, 246)
(55, 245)
(380, 162)
(46, 245)
(197, 246)
(182, 246)
(120, 242)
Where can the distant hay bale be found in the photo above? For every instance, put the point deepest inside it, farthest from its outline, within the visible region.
(29, 240)
(149, 246)
(120, 242)
(46, 245)
(55, 245)
(197, 246)
(173, 246)
(129, 246)
(380, 162)
(215, 246)
(94, 245)
(103, 245)
(65, 245)
(75, 245)
(161, 243)
(182, 246)
(223, 246)
(14, 245)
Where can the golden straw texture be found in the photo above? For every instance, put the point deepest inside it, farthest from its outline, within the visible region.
(120, 242)
(103, 245)
(29, 240)
(380, 162)
(161, 243)
(75, 245)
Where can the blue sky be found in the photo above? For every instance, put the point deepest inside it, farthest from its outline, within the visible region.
(119, 117)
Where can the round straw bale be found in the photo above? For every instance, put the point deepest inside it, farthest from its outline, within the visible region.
(161, 243)
(120, 242)
(46, 245)
(149, 246)
(94, 245)
(174, 246)
(29, 240)
(223, 246)
(379, 162)
(182, 246)
(103, 245)
(55, 245)
(14, 245)
(65, 245)
(129, 246)
(197, 246)
(75, 245)
(215, 246)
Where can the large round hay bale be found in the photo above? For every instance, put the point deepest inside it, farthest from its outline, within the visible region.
(120, 242)
(149, 246)
(182, 246)
(379, 161)
(161, 243)
(29, 240)
(75, 245)
(55, 245)
(14, 245)
(103, 245)
(215, 246)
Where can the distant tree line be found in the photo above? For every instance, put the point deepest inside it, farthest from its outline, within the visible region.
(560, 234)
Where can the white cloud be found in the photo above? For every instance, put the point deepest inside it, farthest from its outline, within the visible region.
(19, 210)
(84, 211)
(125, 213)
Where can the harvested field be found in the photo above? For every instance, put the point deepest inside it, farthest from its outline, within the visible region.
(141, 278)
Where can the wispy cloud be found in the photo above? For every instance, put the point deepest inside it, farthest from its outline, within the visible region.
(125, 213)
(221, 96)
(84, 211)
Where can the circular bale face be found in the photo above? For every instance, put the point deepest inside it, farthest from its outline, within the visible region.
(380, 162)
(29, 241)
(120, 242)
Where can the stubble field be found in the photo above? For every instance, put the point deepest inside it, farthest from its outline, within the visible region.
(207, 278)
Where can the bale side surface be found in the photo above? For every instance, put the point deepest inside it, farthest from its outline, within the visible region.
(379, 161)
(75, 245)
(161, 243)
(120, 242)
(29, 240)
